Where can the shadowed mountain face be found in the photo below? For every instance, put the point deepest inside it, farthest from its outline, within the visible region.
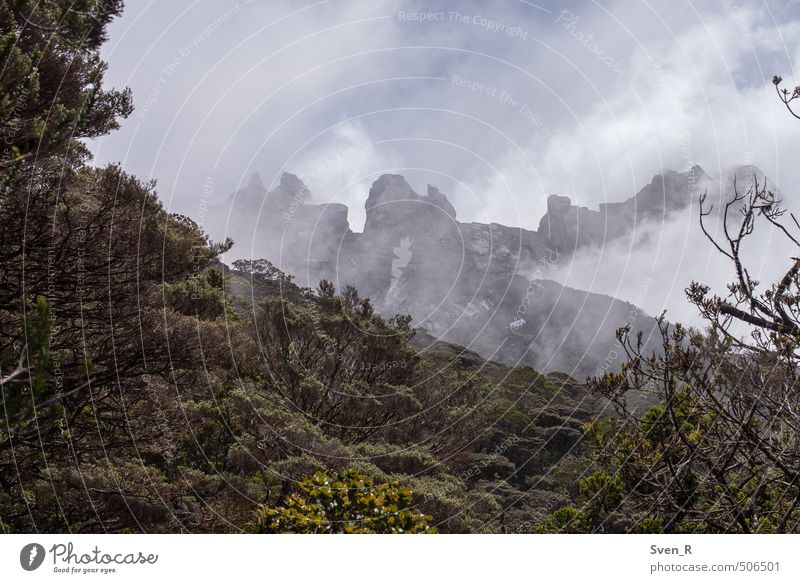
(485, 287)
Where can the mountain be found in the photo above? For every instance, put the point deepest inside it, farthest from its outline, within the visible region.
(485, 287)
(568, 227)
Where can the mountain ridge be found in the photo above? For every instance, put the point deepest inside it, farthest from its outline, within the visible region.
(483, 286)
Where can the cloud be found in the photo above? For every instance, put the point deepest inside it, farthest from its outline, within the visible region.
(588, 100)
(340, 166)
(702, 96)
(654, 265)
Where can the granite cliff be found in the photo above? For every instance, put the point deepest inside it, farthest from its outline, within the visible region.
(483, 286)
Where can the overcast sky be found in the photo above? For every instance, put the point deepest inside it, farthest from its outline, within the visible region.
(499, 104)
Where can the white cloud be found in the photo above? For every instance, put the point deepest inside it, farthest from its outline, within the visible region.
(340, 166)
(697, 98)
(277, 86)
(653, 268)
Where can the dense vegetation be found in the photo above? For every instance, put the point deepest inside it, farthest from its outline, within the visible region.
(148, 387)
(720, 452)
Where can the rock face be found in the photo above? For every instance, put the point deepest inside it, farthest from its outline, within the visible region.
(484, 287)
(568, 227)
(291, 231)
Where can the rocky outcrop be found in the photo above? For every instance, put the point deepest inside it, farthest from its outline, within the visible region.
(568, 227)
(484, 287)
(287, 228)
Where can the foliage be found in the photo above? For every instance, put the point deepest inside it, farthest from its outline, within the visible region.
(719, 452)
(600, 494)
(261, 270)
(345, 503)
(147, 387)
(51, 78)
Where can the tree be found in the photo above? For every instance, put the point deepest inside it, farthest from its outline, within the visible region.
(349, 503)
(93, 268)
(339, 363)
(51, 78)
(786, 96)
(720, 452)
(261, 270)
(51, 97)
(138, 393)
(600, 495)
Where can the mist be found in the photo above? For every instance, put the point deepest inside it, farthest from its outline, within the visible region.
(497, 107)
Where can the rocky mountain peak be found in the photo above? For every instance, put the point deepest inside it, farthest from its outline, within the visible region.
(465, 282)
(440, 200)
(569, 226)
(392, 202)
(290, 192)
(255, 182)
(558, 205)
(291, 183)
(389, 188)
